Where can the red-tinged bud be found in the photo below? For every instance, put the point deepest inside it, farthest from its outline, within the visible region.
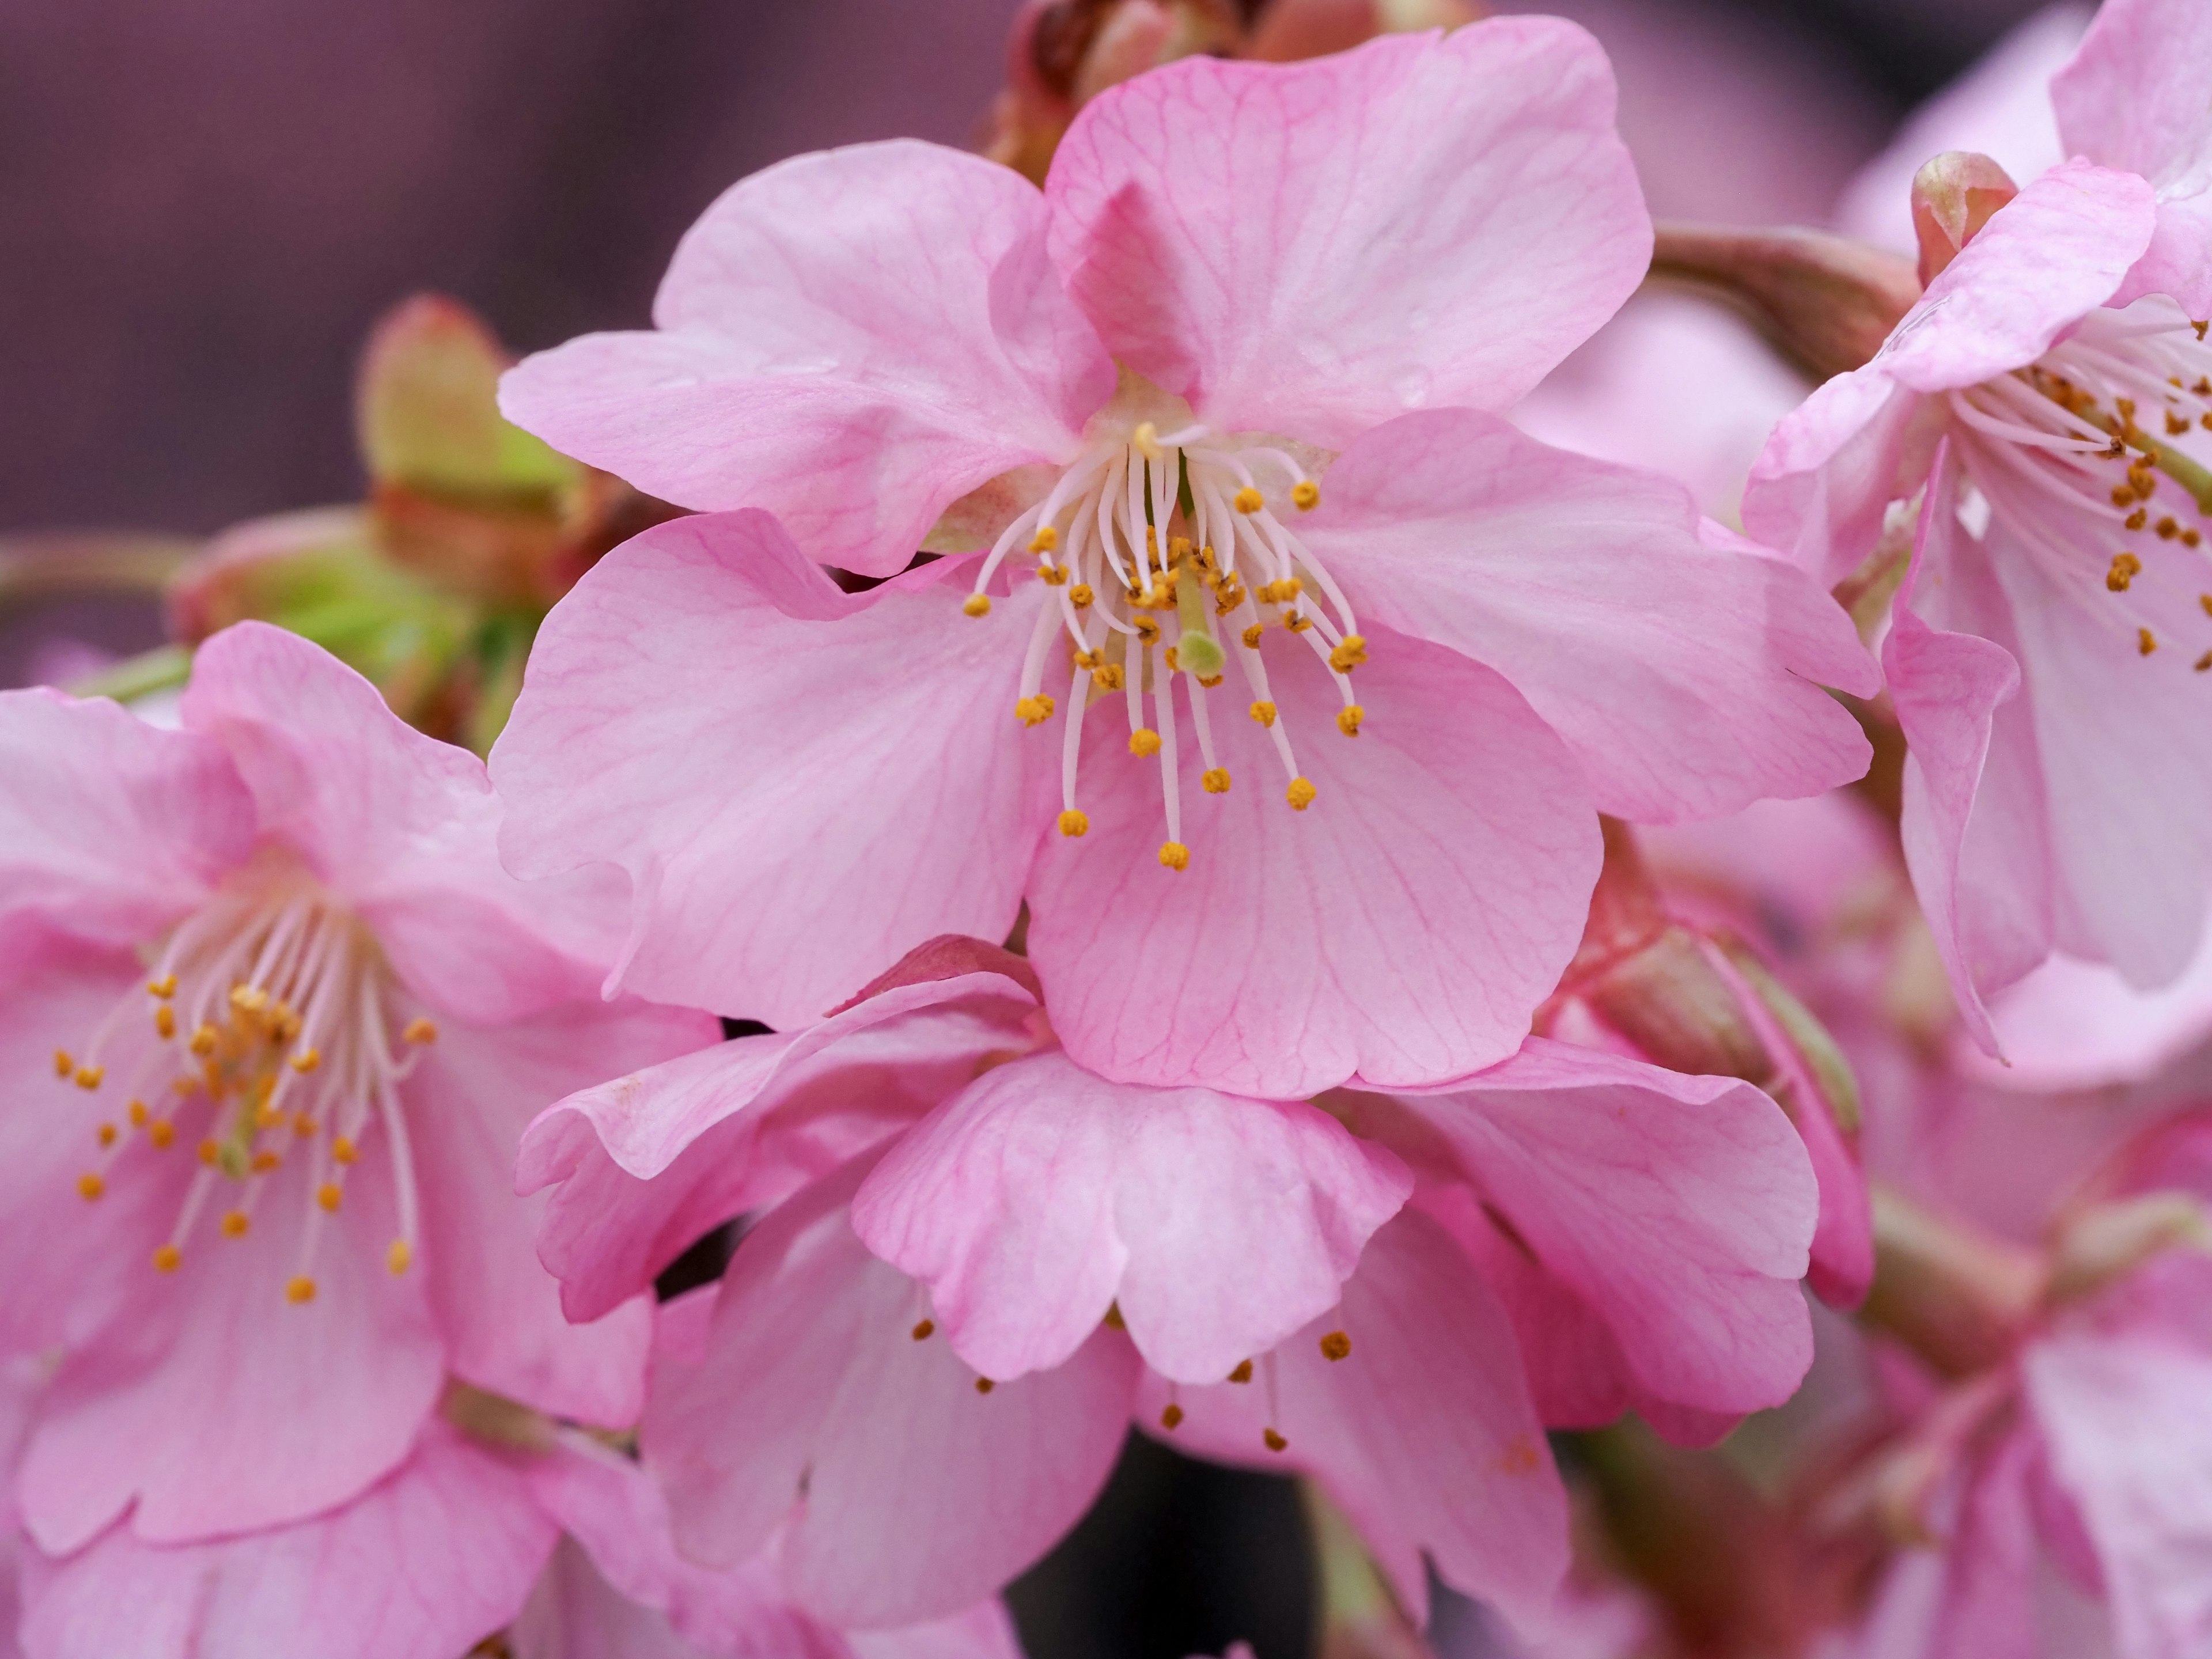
(1290, 30)
(1953, 195)
(1825, 302)
(1959, 1298)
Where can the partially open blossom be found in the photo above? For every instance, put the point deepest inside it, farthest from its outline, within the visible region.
(1036, 1230)
(290, 1017)
(1263, 448)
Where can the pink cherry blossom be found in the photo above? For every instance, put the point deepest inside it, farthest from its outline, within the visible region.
(1238, 365)
(2048, 684)
(293, 1017)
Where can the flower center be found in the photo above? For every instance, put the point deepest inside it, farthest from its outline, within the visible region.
(1167, 555)
(2097, 426)
(267, 1035)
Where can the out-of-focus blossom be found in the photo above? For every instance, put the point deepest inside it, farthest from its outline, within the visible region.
(1529, 632)
(1636, 1233)
(294, 1017)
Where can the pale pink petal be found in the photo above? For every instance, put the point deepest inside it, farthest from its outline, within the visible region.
(1820, 491)
(2133, 97)
(983, 1631)
(401, 826)
(2131, 1440)
(109, 829)
(499, 1310)
(1403, 927)
(1684, 677)
(575, 1614)
(1041, 1194)
(1423, 1433)
(1311, 248)
(2074, 1025)
(218, 1404)
(851, 340)
(1988, 1605)
(802, 784)
(645, 1164)
(910, 1492)
(1679, 1208)
(437, 1557)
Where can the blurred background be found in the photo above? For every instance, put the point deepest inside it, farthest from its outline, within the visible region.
(203, 208)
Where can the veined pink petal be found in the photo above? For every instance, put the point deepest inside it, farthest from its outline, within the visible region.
(1683, 676)
(1311, 248)
(1820, 491)
(851, 340)
(645, 1164)
(1041, 1194)
(400, 827)
(439, 1554)
(910, 1492)
(802, 784)
(1424, 1432)
(1403, 928)
(1679, 1208)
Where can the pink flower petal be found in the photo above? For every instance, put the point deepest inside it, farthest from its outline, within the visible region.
(851, 340)
(1683, 676)
(436, 1556)
(400, 826)
(1424, 1432)
(802, 784)
(1311, 248)
(1403, 927)
(1820, 488)
(1679, 1208)
(1041, 1194)
(910, 1492)
(647, 1164)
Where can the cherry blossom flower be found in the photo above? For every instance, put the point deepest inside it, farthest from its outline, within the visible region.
(1190, 419)
(292, 1016)
(973, 1241)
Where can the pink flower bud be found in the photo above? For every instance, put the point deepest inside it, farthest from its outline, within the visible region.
(1953, 195)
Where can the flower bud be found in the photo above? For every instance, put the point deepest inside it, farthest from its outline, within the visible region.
(1959, 1298)
(1825, 302)
(2103, 1243)
(1953, 195)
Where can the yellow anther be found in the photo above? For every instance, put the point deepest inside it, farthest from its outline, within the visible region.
(1144, 743)
(186, 1085)
(922, 1331)
(1034, 711)
(2192, 536)
(64, 1065)
(399, 1256)
(267, 1117)
(164, 987)
(89, 1185)
(1174, 855)
(984, 1385)
(161, 1132)
(248, 999)
(1171, 1416)
(2167, 529)
(138, 1113)
(1300, 794)
(1147, 629)
(236, 1224)
(1248, 500)
(1053, 576)
(165, 1020)
(1252, 636)
(89, 1077)
(1307, 494)
(1081, 595)
(265, 1162)
(1242, 1373)
(1145, 440)
(167, 1258)
(2176, 424)
(2138, 518)
(2123, 495)
(1045, 540)
(977, 605)
(106, 1135)
(2126, 569)
(1335, 1345)
(2204, 662)
(2145, 642)
(330, 1195)
(302, 1125)
(1264, 712)
(1107, 676)
(1214, 781)
(1295, 622)
(343, 1149)
(1173, 658)
(420, 1031)
(1275, 1442)
(1209, 681)
(209, 1151)
(1348, 718)
(301, 1289)
(204, 1041)
(307, 1059)
(1350, 652)
(1073, 823)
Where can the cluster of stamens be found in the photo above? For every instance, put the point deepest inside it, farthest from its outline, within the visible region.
(266, 1038)
(2101, 425)
(1165, 560)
